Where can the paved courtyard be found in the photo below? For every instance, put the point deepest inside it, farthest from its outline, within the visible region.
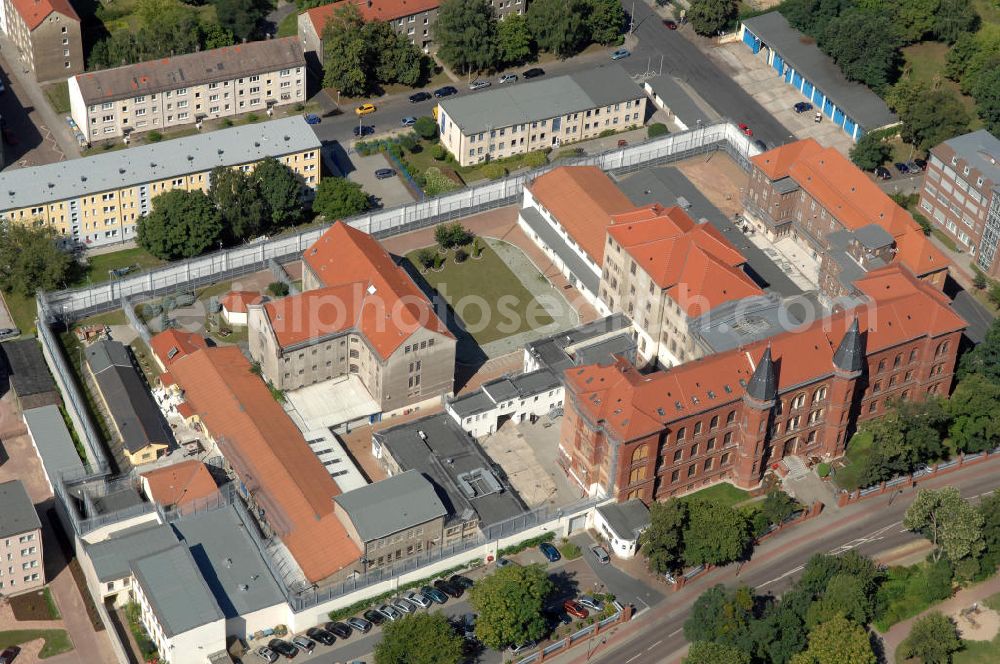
(391, 191)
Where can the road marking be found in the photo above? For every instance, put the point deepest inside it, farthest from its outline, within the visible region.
(779, 578)
(653, 646)
(632, 658)
(676, 631)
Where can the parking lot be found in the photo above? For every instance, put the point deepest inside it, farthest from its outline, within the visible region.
(391, 191)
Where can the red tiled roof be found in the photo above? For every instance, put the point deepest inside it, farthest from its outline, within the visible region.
(180, 483)
(270, 456)
(630, 404)
(388, 308)
(35, 11)
(184, 409)
(378, 10)
(696, 265)
(171, 345)
(777, 162)
(582, 199)
(236, 301)
(316, 313)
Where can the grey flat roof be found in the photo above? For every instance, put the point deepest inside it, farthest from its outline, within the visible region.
(129, 401)
(520, 386)
(24, 187)
(29, 374)
(229, 561)
(17, 512)
(444, 453)
(861, 104)
(112, 556)
(551, 352)
(472, 404)
(785, 185)
(981, 150)
(740, 322)
(540, 100)
(603, 352)
(626, 519)
(176, 591)
(51, 437)
(873, 236)
(677, 99)
(115, 501)
(580, 269)
(395, 504)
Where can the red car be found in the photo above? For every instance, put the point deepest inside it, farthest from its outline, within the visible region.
(575, 609)
(670, 25)
(745, 129)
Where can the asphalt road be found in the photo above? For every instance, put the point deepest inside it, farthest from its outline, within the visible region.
(869, 527)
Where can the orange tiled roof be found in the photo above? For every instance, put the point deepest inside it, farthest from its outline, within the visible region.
(171, 345)
(35, 11)
(777, 162)
(582, 199)
(316, 313)
(378, 10)
(696, 265)
(630, 404)
(270, 456)
(236, 301)
(389, 307)
(180, 483)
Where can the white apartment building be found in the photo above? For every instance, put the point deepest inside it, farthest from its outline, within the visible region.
(21, 565)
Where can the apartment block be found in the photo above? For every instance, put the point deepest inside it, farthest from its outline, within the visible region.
(507, 121)
(187, 89)
(961, 195)
(21, 565)
(97, 201)
(46, 34)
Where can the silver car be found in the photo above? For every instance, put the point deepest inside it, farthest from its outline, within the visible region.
(591, 603)
(418, 599)
(508, 78)
(479, 84)
(266, 654)
(390, 612)
(303, 643)
(403, 606)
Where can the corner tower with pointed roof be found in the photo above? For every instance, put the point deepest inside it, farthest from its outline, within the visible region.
(849, 362)
(758, 405)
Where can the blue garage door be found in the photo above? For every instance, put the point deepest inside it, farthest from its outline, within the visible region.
(828, 108)
(778, 63)
(849, 126)
(788, 75)
(750, 40)
(797, 81)
(807, 89)
(838, 117)
(817, 97)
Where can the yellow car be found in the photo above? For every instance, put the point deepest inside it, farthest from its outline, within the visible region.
(365, 109)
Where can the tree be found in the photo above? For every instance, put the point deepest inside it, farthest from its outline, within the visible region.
(986, 92)
(281, 190)
(240, 17)
(392, 57)
(864, 46)
(425, 127)
(870, 152)
(979, 281)
(558, 26)
(345, 54)
(708, 17)
(720, 615)
(837, 641)
(605, 21)
(913, 18)
(30, 258)
(937, 117)
(509, 603)
(278, 288)
(932, 640)
(975, 411)
(781, 633)
(778, 506)
(812, 16)
(452, 235)
(706, 652)
(953, 19)
(953, 526)
(989, 508)
(514, 43)
(238, 200)
(182, 224)
(426, 257)
(337, 198)
(715, 534)
(422, 638)
(844, 596)
(984, 359)
(466, 33)
(662, 543)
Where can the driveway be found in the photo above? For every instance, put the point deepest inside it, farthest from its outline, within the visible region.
(31, 143)
(391, 191)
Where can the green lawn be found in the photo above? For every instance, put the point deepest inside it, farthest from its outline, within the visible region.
(422, 160)
(474, 289)
(58, 96)
(23, 310)
(944, 239)
(722, 494)
(925, 62)
(978, 652)
(858, 449)
(56, 640)
(289, 25)
(99, 266)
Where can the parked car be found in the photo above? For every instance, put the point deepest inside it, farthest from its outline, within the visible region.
(745, 129)
(479, 84)
(882, 173)
(313, 119)
(390, 612)
(9, 332)
(555, 619)
(460, 581)
(283, 648)
(802, 107)
(303, 643)
(620, 53)
(374, 616)
(914, 166)
(575, 609)
(363, 625)
(263, 652)
(340, 630)
(8, 654)
(922, 163)
(365, 109)
(445, 91)
(524, 647)
(901, 167)
(508, 78)
(503, 562)
(601, 555)
(448, 589)
(403, 606)
(417, 97)
(384, 173)
(550, 552)
(534, 72)
(364, 130)
(670, 25)
(434, 594)
(418, 599)
(321, 635)
(408, 121)
(591, 603)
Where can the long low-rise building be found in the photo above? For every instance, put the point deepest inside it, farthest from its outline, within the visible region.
(97, 201)
(180, 90)
(525, 117)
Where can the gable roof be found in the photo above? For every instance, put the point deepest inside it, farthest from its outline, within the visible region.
(35, 11)
(395, 504)
(237, 301)
(694, 263)
(377, 10)
(627, 520)
(389, 307)
(270, 456)
(180, 483)
(173, 344)
(29, 374)
(582, 199)
(17, 512)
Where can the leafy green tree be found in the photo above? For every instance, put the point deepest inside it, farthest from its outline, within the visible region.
(909, 434)
(822, 568)
(989, 508)
(345, 53)
(240, 17)
(466, 33)
(936, 118)
(986, 92)
(975, 411)
(937, 581)
(426, 257)
(559, 26)
(706, 652)
(778, 506)
(281, 190)
(932, 640)
(780, 634)
(715, 534)
(864, 46)
(812, 16)
(182, 224)
(708, 17)
(278, 289)
(510, 603)
(913, 19)
(844, 596)
(720, 615)
(337, 198)
(605, 21)
(425, 127)
(393, 59)
(31, 259)
(984, 359)
(837, 641)
(663, 542)
(953, 526)
(216, 36)
(421, 638)
(514, 40)
(238, 200)
(870, 152)
(953, 19)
